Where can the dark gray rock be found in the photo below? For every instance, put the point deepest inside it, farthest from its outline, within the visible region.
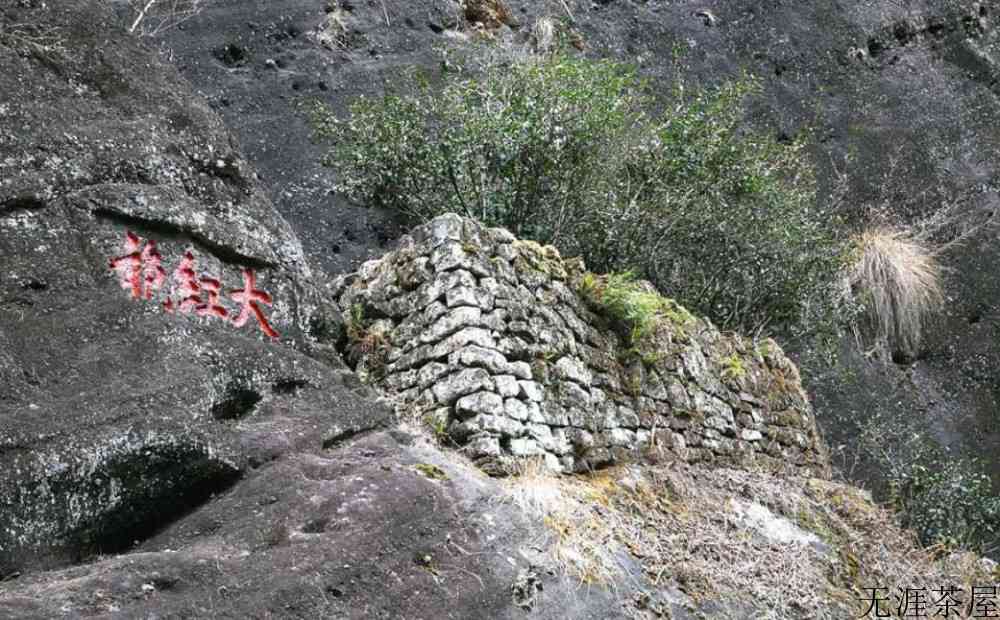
(118, 416)
(869, 77)
(176, 465)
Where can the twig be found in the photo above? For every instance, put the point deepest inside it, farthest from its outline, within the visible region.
(482, 586)
(568, 12)
(141, 15)
(965, 236)
(461, 550)
(385, 12)
(166, 14)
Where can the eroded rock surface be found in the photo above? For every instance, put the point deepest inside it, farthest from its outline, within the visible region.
(157, 464)
(117, 417)
(174, 466)
(487, 337)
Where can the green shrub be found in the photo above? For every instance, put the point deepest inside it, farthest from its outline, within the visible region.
(561, 150)
(948, 502)
(945, 498)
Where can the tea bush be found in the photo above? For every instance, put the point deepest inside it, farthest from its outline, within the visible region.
(562, 150)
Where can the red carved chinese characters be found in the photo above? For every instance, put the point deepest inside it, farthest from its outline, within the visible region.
(141, 271)
(248, 298)
(187, 286)
(211, 307)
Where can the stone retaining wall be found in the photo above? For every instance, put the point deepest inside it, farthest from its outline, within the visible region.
(486, 338)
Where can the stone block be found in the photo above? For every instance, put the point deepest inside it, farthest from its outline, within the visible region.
(525, 447)
(580, 439)
(515, 409)
(449, 389)
(555, 414)
(574, 396)
(455, 320)
(535, 415)
(507, 386)
(627, 417)
(561, 444)
(620, 437)
(430, 373)
(477, 403)
(400, 381)
(462, 338)
(475, 356)
(542, 434)
(531, 391)
(712, 406)
(573, 370)
(521, 370)
(486, 423)
(482, 445)
(677, 395)
(750, 435)
(442, 229)
(454, 255)
(470, 296)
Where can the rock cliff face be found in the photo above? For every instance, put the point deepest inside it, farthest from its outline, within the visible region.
(117, 414)
(158, 464)
(487, 337)
(907, 89)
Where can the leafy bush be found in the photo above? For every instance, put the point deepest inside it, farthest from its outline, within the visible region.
(948, 502)
(505, 149)
(944, 498)
(561, 150)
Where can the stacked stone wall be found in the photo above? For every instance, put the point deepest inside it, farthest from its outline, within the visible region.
(486, 338)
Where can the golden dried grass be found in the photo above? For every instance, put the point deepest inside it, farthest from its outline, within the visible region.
(898, 281)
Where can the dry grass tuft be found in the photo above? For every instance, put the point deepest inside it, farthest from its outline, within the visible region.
(489, 14)
(332, 33)
(898, 281)
(543, 35)
(680, 526)
(533, 488)
(580, 541)
(368, 343)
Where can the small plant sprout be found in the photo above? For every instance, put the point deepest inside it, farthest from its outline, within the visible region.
(733, 367)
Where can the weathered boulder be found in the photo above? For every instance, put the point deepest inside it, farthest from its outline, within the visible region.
(117, 415)
(243, 467)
